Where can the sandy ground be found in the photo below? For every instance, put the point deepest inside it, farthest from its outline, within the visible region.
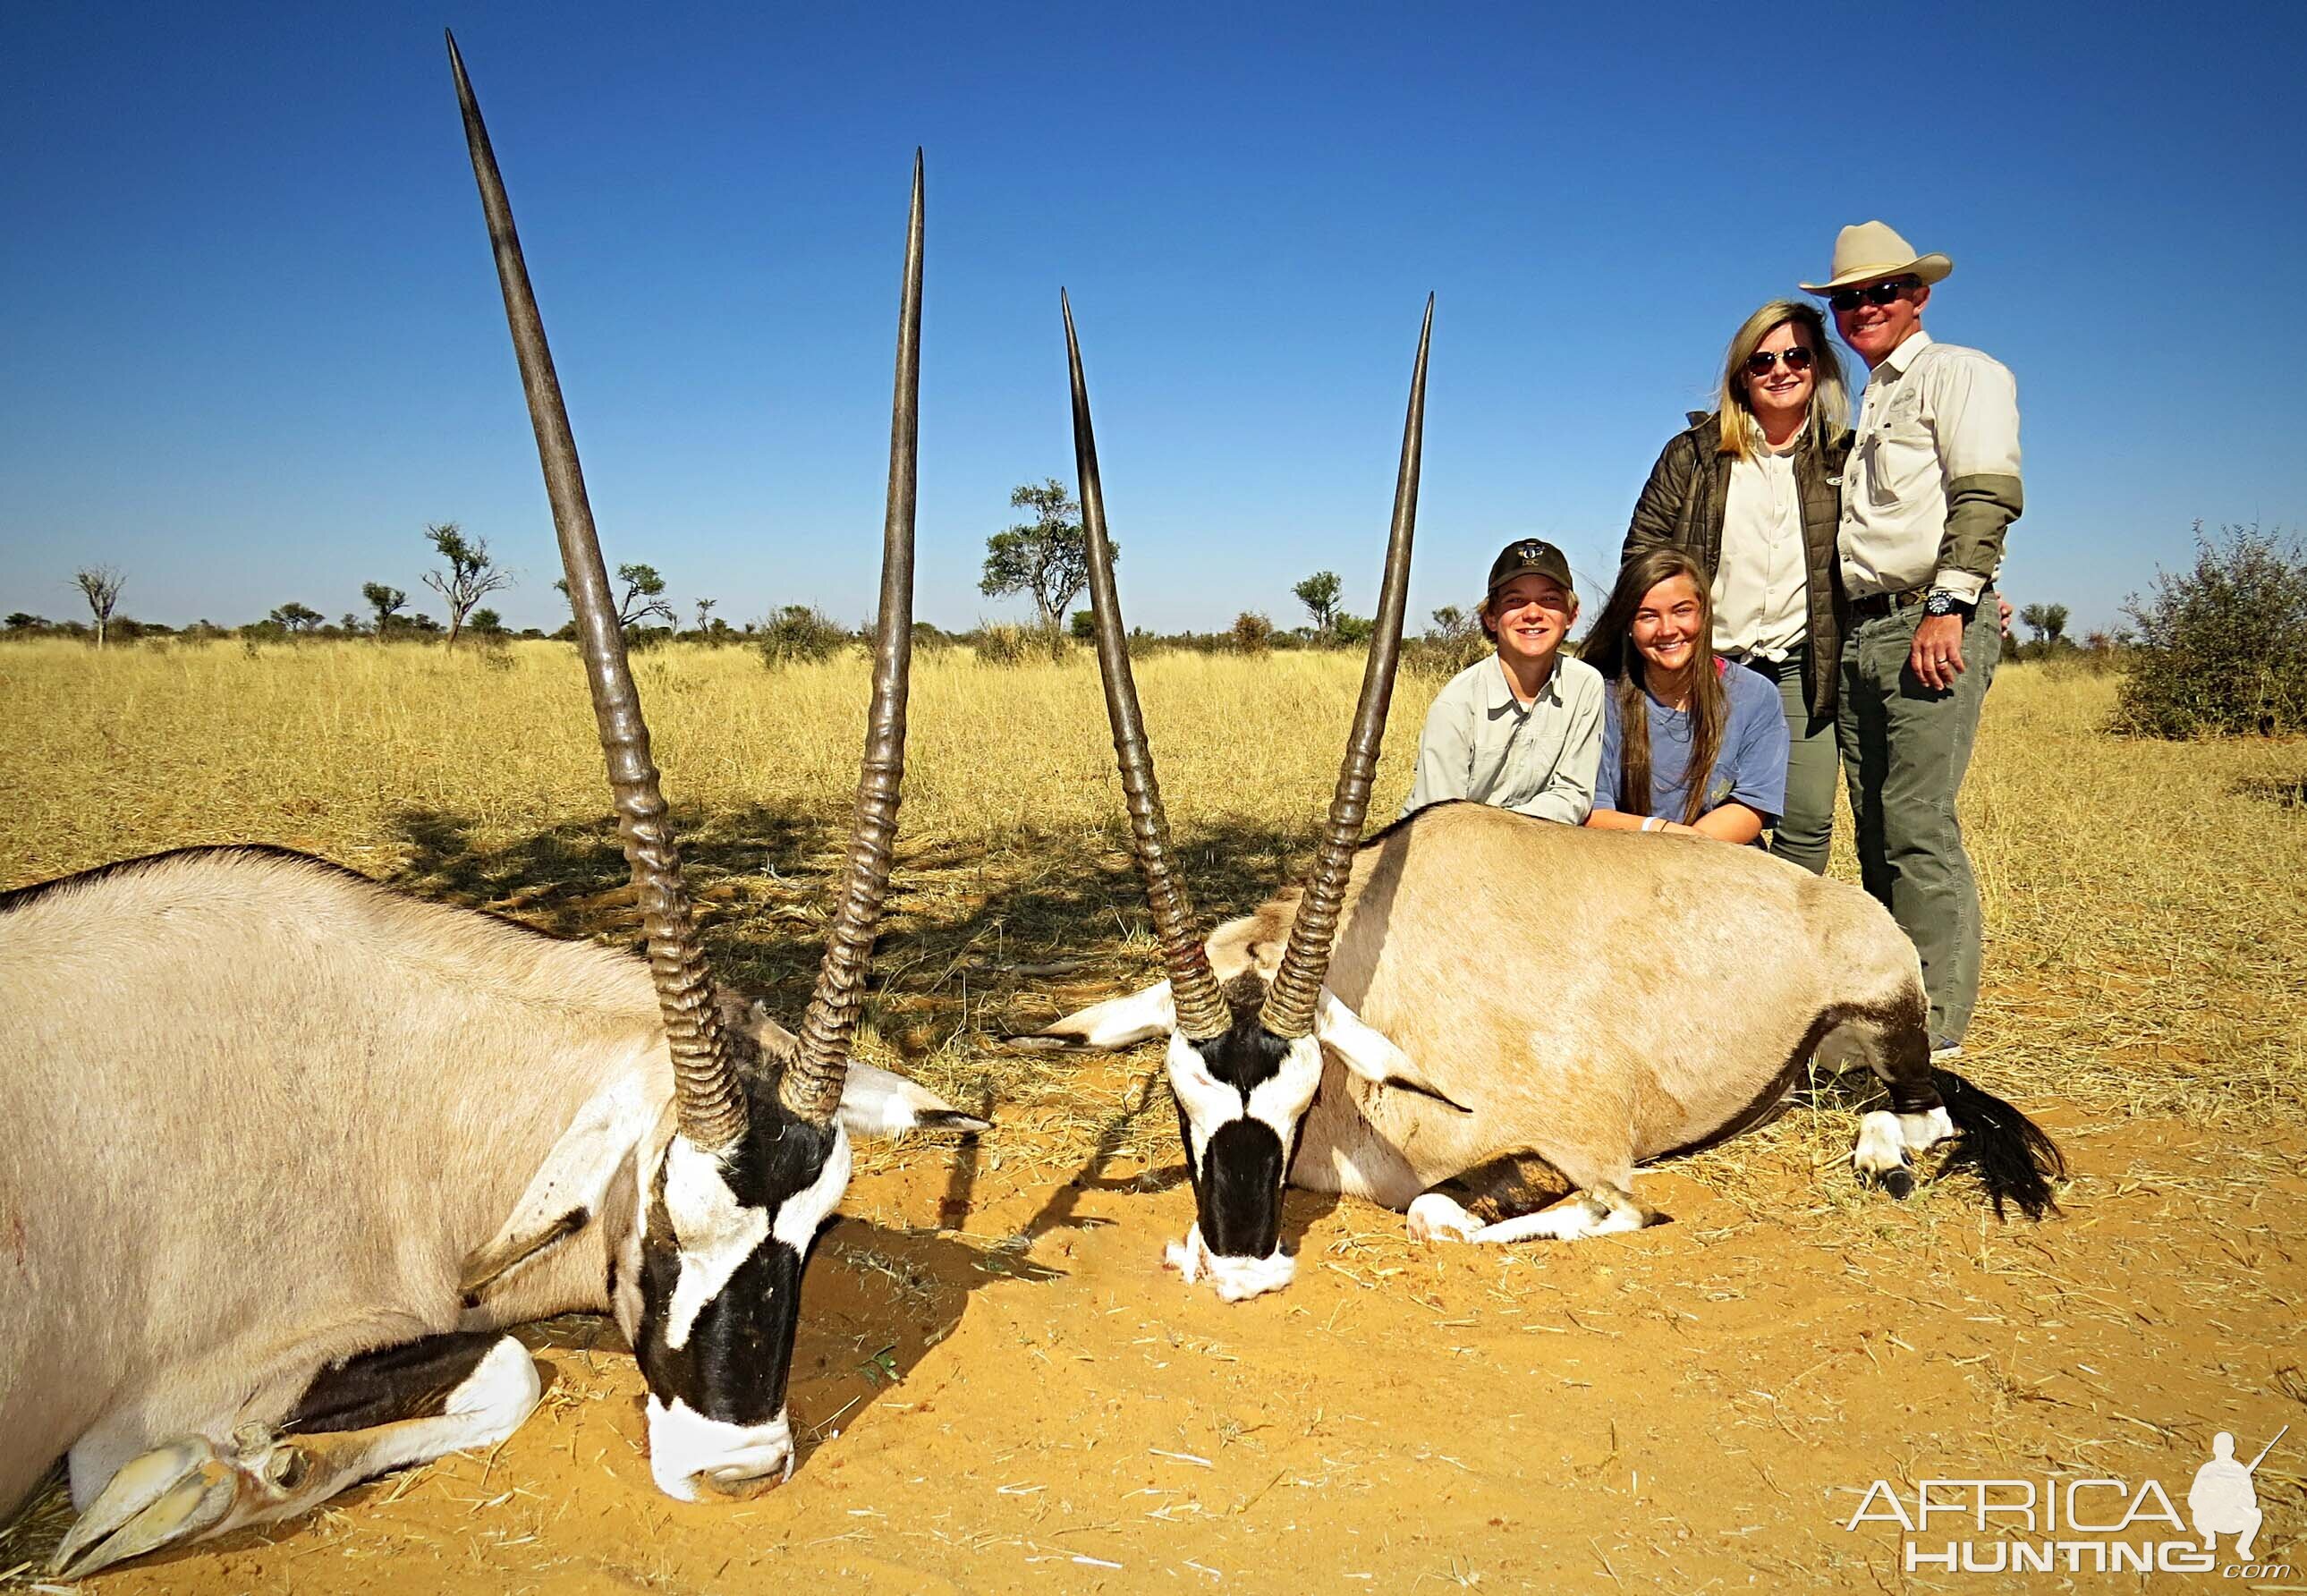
(1000, 1389)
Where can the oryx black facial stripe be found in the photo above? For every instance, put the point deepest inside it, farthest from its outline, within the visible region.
(1241, 1100)
(721, 1261)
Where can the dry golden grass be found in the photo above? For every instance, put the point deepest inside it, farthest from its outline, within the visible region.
(2146, 905)
(2146, 902)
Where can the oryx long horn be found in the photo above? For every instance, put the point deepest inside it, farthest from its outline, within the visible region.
(811, 1087)
(712, 1110)
(1201, 1008)
(1289, 1007)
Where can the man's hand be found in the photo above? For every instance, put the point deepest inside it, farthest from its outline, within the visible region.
(2003, 604)
(1937, 659)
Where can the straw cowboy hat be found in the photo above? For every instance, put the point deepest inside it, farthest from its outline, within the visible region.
(1872, 251)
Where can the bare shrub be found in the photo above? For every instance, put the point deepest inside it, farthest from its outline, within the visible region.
(1253, 633)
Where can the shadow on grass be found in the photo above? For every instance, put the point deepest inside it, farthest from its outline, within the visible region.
(2284, 792)
(983, 935)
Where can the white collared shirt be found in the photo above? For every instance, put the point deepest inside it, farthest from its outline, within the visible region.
(1761, 576)
(1480, 742)
(1933, 414)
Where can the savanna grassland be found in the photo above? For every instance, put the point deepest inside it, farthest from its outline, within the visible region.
(1002, 1390)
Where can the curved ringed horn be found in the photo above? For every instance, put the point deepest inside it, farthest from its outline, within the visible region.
(1288, 1010)
(710, 1106)
(810, 1086)
(1202, 1011)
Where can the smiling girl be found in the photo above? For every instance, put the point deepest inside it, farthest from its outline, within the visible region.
(1690, 744)
(1522, 729)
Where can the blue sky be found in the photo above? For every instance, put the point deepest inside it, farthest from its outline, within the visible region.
(254, 342)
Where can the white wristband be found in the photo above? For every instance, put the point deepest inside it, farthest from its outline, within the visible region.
(1651, 822)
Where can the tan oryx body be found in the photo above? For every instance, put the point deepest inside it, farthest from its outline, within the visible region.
(262, 1111)
(1594, 998)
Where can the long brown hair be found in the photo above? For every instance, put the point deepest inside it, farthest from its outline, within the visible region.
(1830, 399)
(1610, 649)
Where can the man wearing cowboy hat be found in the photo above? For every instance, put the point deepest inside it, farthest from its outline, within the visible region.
(1932, 483)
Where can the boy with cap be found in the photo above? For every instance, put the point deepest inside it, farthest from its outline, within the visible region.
(1522, 729)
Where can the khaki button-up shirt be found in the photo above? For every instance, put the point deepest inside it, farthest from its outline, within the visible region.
(1932, 478)
(1480, 744)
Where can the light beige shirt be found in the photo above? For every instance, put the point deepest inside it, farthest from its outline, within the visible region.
(1480, 744)
(1933, 415)
(1762, 578)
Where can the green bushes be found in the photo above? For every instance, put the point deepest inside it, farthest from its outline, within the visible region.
(2221, 648)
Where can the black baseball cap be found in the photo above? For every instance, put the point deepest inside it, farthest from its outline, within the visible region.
(1531, 556)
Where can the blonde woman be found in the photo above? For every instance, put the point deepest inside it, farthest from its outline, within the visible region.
(1752, 492)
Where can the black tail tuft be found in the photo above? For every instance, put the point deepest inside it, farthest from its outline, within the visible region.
(2012, 1155)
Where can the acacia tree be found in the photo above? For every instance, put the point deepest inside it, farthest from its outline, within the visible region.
(642, 600)
(2047, 621)
(471, 575)
(386, 602)
(101, 585)
(1046, 559)
(293, 616)
(1319, 594)
(1450, 624)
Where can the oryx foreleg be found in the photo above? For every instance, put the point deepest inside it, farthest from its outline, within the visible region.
(1507, 1199)
(404, 1404)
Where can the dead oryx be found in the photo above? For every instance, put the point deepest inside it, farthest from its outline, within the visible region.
(1474, 1013)
(287, 1151)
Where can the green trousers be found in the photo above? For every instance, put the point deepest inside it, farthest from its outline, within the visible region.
(1804, 832)
(1905, 749)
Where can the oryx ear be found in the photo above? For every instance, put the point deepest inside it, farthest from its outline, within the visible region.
(752, 1017)
(1118, 1022)
(565, 1195)
(1370, 1054)
(877, 1103)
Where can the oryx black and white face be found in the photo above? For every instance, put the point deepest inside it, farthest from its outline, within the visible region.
(723, 1243)
(1242, 1099)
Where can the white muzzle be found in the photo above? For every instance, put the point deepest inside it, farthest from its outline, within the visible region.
(1237, 1279)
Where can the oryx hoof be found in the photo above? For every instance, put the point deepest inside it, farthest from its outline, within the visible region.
(175, 1492)
(1899, 1182)
(1880, 1157)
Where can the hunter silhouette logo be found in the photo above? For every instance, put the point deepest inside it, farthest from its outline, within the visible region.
(2097, 1525)
(2223, 1501)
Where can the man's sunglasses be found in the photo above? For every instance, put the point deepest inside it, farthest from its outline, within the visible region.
(1798, 359)
(1877, 294)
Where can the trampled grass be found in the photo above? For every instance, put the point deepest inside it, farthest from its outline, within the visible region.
(2146, 902)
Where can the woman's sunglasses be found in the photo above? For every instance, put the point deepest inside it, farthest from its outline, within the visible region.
(1798, 359)
(1875, 293)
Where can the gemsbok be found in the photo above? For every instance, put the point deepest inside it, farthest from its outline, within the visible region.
(285, 1152)
(1474, 1013)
